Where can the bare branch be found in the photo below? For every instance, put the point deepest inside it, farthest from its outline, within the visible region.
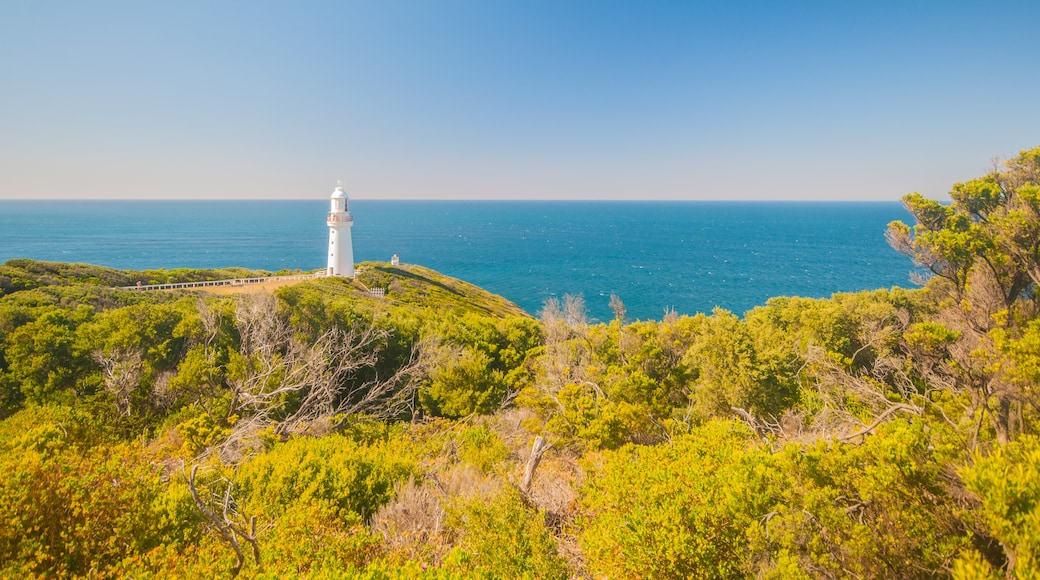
(293, 385)
(218, 523)
(880, 419)
(538, 449)
(121, 369)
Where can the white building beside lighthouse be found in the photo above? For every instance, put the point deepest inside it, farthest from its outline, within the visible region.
(341, 250)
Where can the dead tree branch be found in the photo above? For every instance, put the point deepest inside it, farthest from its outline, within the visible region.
(224, 523)
(291, 385)
(538, 449)
(880, 419)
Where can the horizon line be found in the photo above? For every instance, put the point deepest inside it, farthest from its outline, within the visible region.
(509, 199)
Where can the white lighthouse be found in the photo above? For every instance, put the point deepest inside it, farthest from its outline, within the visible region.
(341, 250)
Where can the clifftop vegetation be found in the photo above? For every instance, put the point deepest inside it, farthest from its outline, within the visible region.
(22, 274)
(439, 430)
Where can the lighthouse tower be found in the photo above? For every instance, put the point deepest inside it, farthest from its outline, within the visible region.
(341, 250)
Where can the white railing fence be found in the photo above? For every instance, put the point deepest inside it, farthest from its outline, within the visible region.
(231, 282)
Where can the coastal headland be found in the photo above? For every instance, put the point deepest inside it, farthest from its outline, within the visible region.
(405, 424)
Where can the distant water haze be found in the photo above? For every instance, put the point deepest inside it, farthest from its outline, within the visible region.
(687, 256)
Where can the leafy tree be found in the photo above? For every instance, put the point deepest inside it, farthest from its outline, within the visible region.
(138, 346)
(984, 250)
(44, 358)
(483, 363)
(464, 385)
(729, 372)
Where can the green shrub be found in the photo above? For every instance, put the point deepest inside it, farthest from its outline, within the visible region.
(668, 511)
(1008, 483)
(336, 471)
(503, 538)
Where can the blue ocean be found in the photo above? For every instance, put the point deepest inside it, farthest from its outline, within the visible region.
(686, 256)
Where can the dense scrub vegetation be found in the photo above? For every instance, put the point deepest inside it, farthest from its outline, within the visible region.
(439, 430)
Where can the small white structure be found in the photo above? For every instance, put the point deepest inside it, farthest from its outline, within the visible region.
(395, 260)
(341, 249)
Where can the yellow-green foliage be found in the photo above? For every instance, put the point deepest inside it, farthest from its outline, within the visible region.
(464, 385)
(22, 274)
(879, 509)
(731, 372)
(351, 477)
(834, 323)
(307, 540)
(1023, 355)
(714, 504)
(668, 511)
(72, 502)
(310, 537)
(481, 447)
(43, 356)
(199, 433)
(502, 538)
(483, 360)
(1008, 483)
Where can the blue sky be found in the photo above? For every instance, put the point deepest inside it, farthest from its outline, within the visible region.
(512, 100)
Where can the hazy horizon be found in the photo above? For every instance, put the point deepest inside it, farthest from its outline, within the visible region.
(457, 100)
(323, 199)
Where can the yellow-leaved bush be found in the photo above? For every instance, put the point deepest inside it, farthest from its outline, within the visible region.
(73, 503)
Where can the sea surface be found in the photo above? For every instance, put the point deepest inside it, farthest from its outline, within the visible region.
(686, 256)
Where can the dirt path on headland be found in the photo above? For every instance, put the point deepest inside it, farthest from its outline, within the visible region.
(268, 287)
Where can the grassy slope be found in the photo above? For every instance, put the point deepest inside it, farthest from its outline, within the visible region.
(404, 285)
(419, 286)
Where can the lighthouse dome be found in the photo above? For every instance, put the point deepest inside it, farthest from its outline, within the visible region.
(339, 193)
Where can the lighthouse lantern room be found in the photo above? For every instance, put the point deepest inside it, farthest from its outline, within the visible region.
(341, 250)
